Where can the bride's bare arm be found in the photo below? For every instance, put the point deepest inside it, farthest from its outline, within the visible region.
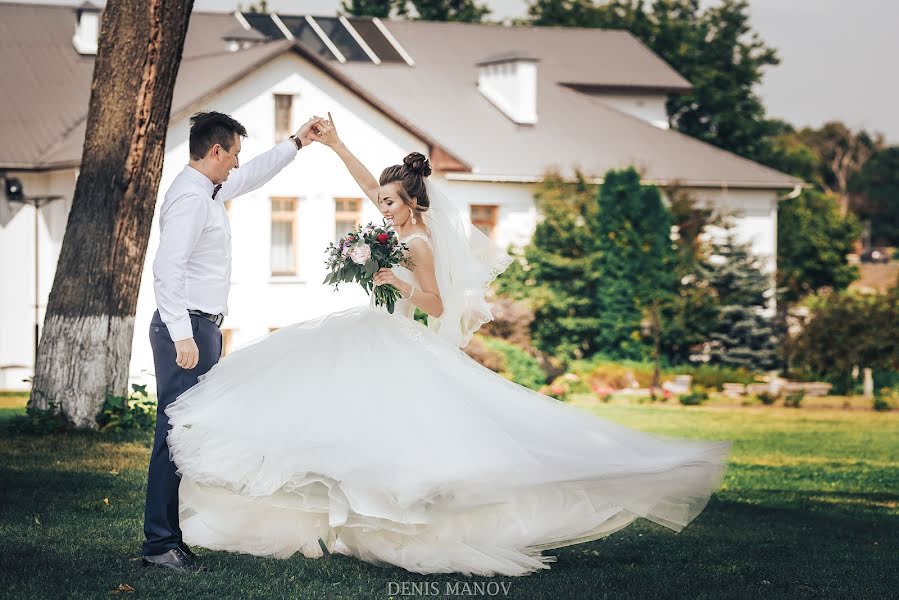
(426, 294)
(328, 136)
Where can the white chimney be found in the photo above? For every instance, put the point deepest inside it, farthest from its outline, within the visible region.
(510, 83)
(87, 29)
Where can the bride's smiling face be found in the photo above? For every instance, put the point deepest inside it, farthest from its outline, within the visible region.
(391, 204)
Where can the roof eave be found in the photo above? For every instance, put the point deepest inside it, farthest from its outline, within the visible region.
(705, 184)
(41, 167)
(625, 89)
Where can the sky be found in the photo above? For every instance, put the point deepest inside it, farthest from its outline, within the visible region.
(838, 57)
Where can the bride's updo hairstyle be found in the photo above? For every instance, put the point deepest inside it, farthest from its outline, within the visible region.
(411, 177)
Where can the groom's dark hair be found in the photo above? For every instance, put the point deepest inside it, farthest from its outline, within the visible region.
(210, 128)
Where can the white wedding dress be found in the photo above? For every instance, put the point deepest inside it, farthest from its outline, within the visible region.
(372, 433)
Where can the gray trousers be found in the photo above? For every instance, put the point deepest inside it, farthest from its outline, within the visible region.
(161, 528)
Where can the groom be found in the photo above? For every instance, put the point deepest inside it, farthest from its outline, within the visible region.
(191, 278)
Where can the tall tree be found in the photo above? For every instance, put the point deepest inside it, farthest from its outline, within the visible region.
(557, 273)
(426, 10)
(368, 8)
(744, 335)
(636, 265)
(85, 348)
(813, 242)
(714, 48)
(841, 153)
(875, 197)
(444, 10)
(691, 313)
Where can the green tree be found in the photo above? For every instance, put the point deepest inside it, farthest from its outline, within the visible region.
(424, 10)
(556, 272)
(692, 312)
(876, 195)
(444, 10)
(848, 330)
(788, 152)
(368, 8)
(744, 335)
(636, 265)
(841, 153)
(714, 48)
(813, 241)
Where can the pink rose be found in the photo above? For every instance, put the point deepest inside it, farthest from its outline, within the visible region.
(360, 253)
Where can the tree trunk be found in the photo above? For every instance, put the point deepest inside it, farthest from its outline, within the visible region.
(85, 347)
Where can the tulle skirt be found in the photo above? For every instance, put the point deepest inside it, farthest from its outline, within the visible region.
(368, 432)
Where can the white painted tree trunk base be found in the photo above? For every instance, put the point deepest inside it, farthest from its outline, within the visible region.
(81, 359)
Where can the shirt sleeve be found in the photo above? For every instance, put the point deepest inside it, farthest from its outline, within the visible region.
(258, 171)
(180, 227)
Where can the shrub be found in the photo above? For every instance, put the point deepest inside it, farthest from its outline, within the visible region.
(136, 411)
(511, 321)
(518, 365)
(40, 421)
(694, 398)
(565, 386)
(715, 376)
(881, 405)
(479, 351)
(794, 400)
(848, 330)
(885, 400)
(767, 398)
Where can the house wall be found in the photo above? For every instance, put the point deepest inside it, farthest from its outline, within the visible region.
(17, 268)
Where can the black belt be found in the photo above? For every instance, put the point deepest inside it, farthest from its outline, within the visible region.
(217, 319)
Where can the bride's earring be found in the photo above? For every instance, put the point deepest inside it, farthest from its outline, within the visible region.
(412, 216)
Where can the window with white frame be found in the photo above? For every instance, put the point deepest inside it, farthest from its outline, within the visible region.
(347, 215)
(283, 116)
(284, 236)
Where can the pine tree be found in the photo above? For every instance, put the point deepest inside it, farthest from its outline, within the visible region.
(744, 335)
(636, 265)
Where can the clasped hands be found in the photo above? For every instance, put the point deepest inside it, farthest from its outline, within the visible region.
(318, 129)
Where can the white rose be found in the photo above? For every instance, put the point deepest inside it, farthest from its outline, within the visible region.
(360, 253)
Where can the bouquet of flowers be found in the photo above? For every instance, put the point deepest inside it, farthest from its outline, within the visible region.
(363, 252)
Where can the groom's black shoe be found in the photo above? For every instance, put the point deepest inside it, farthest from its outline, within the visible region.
(175, 559)
(186, 549)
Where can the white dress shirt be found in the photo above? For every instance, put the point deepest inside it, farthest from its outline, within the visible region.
(192, 269)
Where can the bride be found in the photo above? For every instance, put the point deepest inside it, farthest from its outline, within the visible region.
(372, 435)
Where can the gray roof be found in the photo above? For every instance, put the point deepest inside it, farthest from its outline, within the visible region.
(42, 121)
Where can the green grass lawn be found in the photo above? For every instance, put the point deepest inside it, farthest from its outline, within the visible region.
(809, 509)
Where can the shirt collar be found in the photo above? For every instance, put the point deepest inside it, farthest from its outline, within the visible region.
(198, 177)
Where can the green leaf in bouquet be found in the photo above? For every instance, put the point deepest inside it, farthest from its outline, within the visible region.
(370, 267)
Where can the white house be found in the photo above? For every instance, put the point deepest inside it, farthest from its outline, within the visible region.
(494, 107)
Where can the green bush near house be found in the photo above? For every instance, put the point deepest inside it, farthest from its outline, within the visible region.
(694, 398)
(520, 367)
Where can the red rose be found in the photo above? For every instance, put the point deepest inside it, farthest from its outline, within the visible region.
(383, 237)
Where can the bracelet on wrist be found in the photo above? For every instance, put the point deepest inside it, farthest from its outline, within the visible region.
(296, 141)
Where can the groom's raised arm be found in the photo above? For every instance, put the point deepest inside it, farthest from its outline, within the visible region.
(258, 171)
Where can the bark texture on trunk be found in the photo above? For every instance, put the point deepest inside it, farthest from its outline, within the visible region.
(85, 347)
